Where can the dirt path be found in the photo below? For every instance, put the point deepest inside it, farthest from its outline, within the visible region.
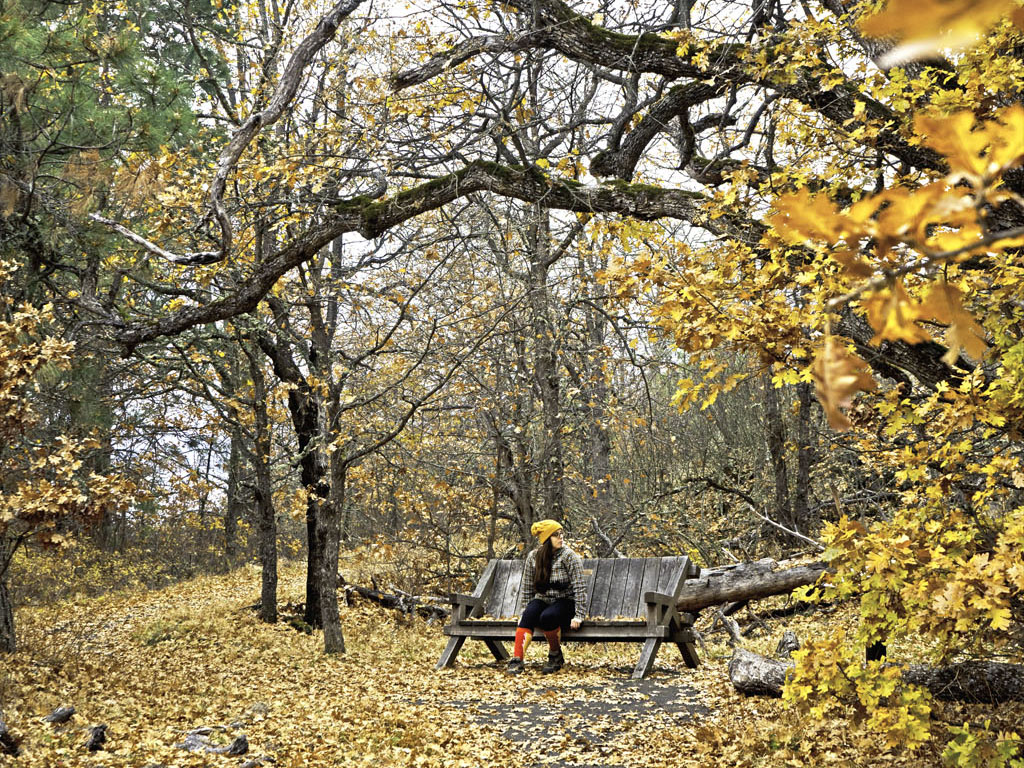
(572, 724)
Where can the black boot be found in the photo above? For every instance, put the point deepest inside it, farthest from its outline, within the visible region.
(515, 666)
(554, 663)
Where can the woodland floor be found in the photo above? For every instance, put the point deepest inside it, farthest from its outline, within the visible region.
(154, 665)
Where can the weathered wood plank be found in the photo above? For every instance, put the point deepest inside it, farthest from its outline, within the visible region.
(667, 574)
(589, 572)
(451, 650)
(513, 588)
(689, 654)
(634, 577)
(486, 580)
(617, 588)
(652, 569)
(607, 633)
(497, 593)
(497, 649)
(676, 586)
(602, 583)
(646, 661)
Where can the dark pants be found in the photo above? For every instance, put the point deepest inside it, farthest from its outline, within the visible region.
(548, 616)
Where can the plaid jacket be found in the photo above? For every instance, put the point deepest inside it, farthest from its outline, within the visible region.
(567, 569)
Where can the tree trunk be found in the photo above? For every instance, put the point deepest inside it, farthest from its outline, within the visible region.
(804, 459)
(266, 520)
(775, 435)
(746, 581)
(330, 540)
(305, 409)
(599, 443)
(492, 523)
(984, 682)
(234, 506)
(7, 639)
(518, 486)
(312, 479)
(545, 367)
(267, 526)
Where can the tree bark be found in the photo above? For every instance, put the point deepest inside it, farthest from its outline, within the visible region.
(330, 539)
(546, 366)
(594, 386)
(775, 436)
(987, 682)
(757, 675)
(305, 408)
(804, 459)
(8, 643)
(746, 581)
(983, 682)
(266, 520)
(233, 507)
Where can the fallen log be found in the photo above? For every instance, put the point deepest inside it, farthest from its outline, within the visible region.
(986, 682)
(400, 601)
(745, 581)
(981, 682)
(756, 675)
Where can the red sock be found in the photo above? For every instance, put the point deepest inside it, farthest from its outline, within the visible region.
(554, 638)
(521, 635)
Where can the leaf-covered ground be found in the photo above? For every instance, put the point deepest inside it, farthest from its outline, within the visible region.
(155, 665)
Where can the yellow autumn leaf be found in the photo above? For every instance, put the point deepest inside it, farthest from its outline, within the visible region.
(1006, 136)
(838, 376)
(909, 214)
(954, 137)
(966, 241)
(1000, 618)
(894, 314)
(944, 304)
(976, 152)
(925, 27)
(802, 217)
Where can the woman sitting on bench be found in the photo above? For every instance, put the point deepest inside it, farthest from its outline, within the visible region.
(553, 598)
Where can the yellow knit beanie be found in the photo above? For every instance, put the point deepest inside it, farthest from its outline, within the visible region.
(543, 529)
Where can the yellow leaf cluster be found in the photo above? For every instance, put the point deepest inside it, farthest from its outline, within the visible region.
(925, 27)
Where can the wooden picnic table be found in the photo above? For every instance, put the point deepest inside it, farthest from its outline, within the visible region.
(628, 600)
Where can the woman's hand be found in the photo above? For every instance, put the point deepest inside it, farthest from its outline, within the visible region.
(575, 623)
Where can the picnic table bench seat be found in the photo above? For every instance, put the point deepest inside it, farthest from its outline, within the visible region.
(628, 600)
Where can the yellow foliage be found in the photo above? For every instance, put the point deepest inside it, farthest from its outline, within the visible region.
(944, 304)
(838, 376)
(925, 27)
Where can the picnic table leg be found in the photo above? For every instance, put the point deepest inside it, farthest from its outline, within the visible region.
(451, 651)
(498, 649)
(689, 655)
(646, 663)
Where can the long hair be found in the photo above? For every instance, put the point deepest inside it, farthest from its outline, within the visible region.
(542, 565)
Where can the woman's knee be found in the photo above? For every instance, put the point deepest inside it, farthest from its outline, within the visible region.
(531, 615)
(553, 617)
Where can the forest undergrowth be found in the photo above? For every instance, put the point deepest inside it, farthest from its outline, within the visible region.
(155, 665)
